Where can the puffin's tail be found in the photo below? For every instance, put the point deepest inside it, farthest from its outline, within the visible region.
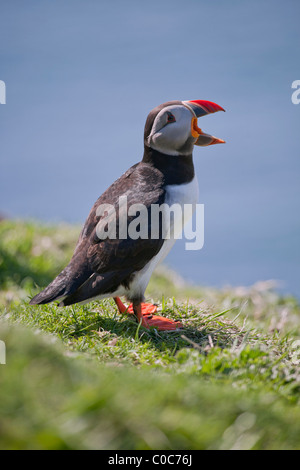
(66, 283)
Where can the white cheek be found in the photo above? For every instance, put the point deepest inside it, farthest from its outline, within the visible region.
(170, 140)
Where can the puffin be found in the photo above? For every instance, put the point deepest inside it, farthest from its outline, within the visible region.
(105, 263)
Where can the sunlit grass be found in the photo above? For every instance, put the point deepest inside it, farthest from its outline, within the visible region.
(229, 379)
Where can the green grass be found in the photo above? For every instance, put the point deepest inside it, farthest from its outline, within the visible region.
(85, 377)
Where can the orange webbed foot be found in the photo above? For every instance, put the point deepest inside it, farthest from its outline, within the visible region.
(161, 323)
(146, 309)
(144, 313)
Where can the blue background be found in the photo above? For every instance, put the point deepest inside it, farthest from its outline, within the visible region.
(81, 77)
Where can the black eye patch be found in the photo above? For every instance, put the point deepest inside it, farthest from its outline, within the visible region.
(171, 117)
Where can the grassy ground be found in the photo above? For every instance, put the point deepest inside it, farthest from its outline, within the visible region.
(84, 377)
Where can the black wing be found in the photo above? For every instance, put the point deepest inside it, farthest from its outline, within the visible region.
(100, 265)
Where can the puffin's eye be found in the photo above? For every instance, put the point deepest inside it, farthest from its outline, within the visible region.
(171, 117)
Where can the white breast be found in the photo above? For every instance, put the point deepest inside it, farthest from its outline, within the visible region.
(175, 194)
(181, 195)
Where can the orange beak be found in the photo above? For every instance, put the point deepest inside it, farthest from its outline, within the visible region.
(201, 108)
(203, 139)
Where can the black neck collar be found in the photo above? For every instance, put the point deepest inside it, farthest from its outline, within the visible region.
(175, 169)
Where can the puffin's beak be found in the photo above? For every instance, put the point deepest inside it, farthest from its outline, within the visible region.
(200, 108)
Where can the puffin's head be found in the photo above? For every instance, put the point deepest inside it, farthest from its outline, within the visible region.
(172, 128)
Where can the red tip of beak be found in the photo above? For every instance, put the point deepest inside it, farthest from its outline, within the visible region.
(208, 106)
